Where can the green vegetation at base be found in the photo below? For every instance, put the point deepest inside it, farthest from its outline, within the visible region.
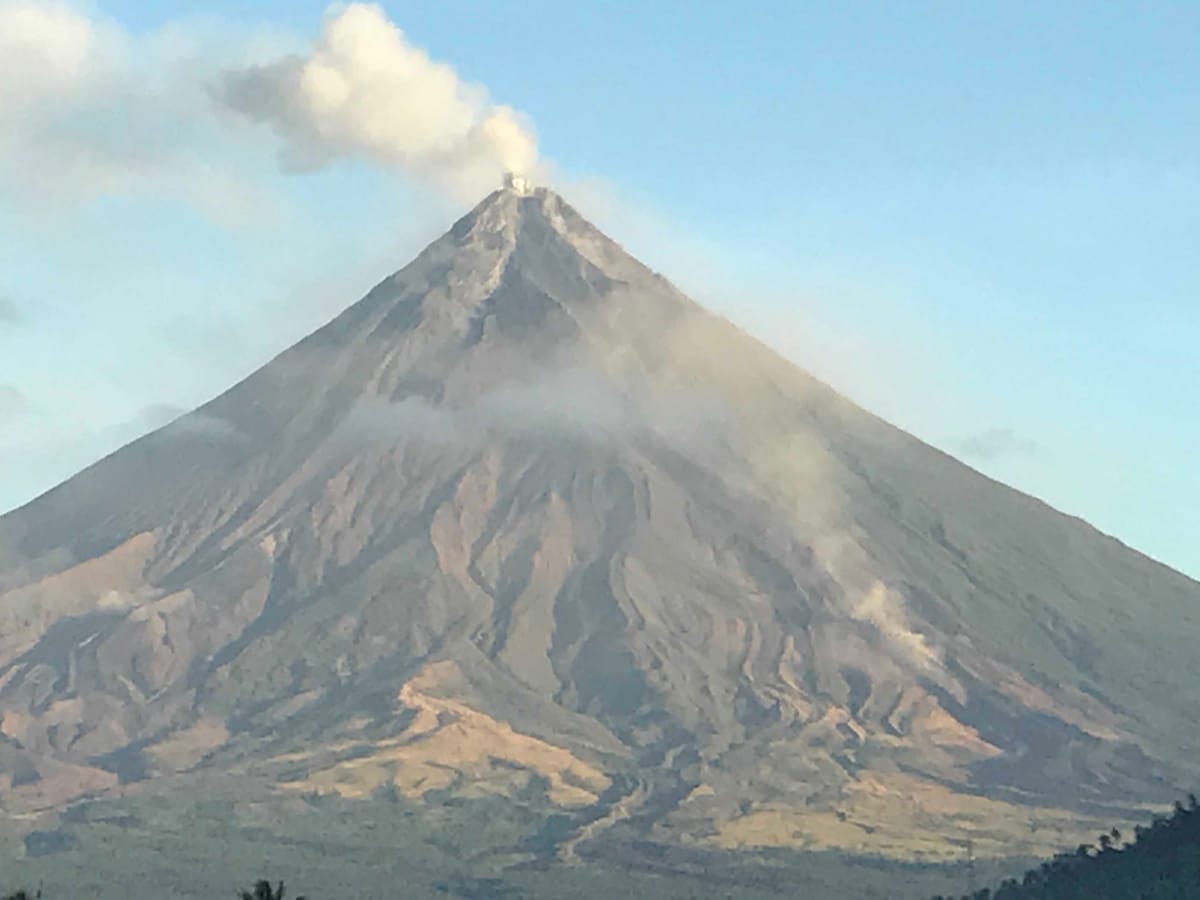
(264, 891)
(1161, 863)
(188, 847)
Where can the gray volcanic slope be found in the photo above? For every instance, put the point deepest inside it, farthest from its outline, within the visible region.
(527, 518)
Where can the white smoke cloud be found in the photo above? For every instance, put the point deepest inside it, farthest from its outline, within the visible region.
(176, 423)
(413, 417)
(871, 601)
(90, 109)
(364, 91)
(884, 609)
(574, 403)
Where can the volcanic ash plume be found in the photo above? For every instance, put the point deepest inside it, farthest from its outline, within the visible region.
(365, 91)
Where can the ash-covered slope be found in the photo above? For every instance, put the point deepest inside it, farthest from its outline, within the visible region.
(527, 518)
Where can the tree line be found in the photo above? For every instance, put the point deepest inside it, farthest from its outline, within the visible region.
(1162, 862)
(262, 891)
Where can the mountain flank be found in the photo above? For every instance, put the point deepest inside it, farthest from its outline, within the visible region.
(526, 524)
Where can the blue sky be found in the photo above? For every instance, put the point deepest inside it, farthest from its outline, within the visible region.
(982, 220)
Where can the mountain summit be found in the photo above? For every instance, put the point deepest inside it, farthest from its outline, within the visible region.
(526, 521)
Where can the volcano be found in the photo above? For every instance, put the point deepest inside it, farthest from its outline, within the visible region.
(527, 522)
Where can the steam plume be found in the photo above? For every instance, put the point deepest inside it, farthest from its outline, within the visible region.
(364, 91)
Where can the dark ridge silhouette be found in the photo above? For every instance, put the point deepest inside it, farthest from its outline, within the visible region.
(1161, 863)
(264, 891)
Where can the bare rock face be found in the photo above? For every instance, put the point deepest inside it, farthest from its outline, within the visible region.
(525, 517)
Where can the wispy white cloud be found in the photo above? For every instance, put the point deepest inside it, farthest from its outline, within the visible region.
(412, 417)
(997, 443)
(157, 415)
(12, 401)
(88, 110)
(9, 314)
(48, 51)
(172, 422)
(46, 449)
(579, 404)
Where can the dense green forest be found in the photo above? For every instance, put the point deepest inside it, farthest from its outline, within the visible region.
(1162, 862)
